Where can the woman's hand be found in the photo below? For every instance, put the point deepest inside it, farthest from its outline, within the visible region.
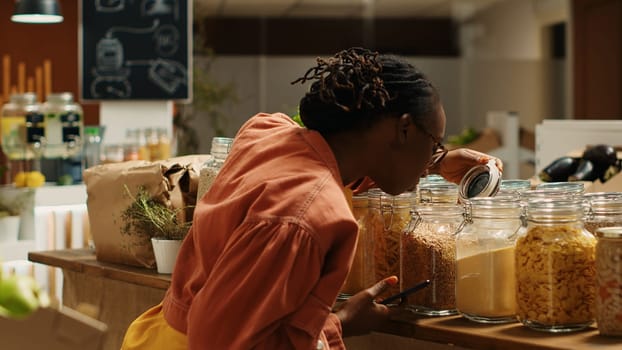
(360, 314)
(458, 161)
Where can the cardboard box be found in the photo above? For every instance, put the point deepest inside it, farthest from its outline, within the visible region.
(52, 329)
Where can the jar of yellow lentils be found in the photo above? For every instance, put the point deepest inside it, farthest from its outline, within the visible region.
(388, 217)
(429, 253)
(361, 273)
(555, 268)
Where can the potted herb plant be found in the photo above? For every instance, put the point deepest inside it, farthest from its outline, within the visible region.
(12, 204)
(150, 216)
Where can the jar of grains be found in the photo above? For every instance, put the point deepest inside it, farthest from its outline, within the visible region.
(555, 268)
(485, 279)
(361, 273)
(387, 219)
(429, 253)
(603, 209)
(218, 152)
(609, 280)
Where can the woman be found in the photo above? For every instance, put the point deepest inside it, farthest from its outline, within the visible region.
(273, 238)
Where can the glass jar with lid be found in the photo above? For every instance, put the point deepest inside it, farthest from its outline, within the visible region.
(609, 281)
(572, 187)
(387, 219)
(361, 274)
(209, 170)
(438, 192)
(514, 186)
(13, 133)
(485, 280)
(64, 125)
(428, 252)
(603, 210)
(555, 268)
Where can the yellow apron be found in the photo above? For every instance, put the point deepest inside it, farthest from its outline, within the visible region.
(150, 331)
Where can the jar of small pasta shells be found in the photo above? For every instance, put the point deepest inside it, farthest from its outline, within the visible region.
(429, 253)
(485, 279)
(609, 280)
(361, 273)
(555, 268)
(603, 210)
(387, 219)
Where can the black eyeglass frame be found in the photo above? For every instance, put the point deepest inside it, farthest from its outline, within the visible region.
(439, 151)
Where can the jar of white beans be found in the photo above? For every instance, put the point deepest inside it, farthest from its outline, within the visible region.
(609, 280)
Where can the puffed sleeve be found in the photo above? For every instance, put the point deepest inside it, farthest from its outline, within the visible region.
(271, 288)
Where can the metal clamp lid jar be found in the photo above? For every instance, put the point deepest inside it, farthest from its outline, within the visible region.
(485, 281)
(555, 268)
(609, 280)
(480, 181)
(429, 253)
(602, 211)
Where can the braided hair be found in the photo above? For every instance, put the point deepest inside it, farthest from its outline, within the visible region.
(356, 87)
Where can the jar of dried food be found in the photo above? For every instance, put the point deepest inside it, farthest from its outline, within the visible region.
(485, 279)
(209, 170)
(361, 273)
(429, 253)
(609, 280)
(438, 192)
(388, 218)
(555, 268)
(603, 210)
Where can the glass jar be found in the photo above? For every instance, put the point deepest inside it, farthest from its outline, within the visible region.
(574, 188)
(555, 268)
(428, 252)
(13, 133)
(361, 272)
(609, 281)
(485, 279)
(514, 186)
(603, 211)
(388, 218)
(164, 144)
(92, 146)
(63, 125)
(438, 192)
(209, 170)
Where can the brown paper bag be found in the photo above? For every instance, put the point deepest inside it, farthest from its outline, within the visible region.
(172, 182)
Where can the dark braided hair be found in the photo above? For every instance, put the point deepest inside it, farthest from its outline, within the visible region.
(356, 87)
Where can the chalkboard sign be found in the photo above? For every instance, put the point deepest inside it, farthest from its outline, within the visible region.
(135, 50)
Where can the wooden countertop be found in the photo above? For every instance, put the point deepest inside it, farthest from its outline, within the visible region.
(83, 260)
(453, 330)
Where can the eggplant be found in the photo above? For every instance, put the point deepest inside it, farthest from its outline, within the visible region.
(559, 169)
(601, 156)
(586, 171)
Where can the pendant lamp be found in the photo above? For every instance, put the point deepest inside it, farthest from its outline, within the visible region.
(37, 11)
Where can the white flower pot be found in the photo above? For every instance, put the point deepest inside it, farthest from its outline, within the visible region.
(165, 252)
(9, 228)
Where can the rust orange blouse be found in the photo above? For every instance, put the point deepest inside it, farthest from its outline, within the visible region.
(271, 244)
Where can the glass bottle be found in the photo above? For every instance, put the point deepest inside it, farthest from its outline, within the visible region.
(360, 275)
(603, 210)
(63, 125)
(92, 146)
(151, 137)
(13, 138)
(485, 279)
(209, 170)
(609, 281)
(131, 148)
(388, 218)
(555, 268)
(428, 252)
(164, 143)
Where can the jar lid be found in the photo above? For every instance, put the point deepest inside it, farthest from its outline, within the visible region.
(480, 181)
(609, 232)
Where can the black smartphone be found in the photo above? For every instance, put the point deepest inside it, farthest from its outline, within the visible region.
(406, 292)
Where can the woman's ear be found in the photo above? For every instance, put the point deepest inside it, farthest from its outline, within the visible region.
(404, 127)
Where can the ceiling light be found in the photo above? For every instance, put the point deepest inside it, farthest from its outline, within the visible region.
(37, 11)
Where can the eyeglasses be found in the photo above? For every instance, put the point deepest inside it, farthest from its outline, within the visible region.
(438, 150)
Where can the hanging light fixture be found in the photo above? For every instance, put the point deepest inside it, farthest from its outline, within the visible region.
(37, 11)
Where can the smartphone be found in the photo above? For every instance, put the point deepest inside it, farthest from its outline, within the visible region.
(406, 292)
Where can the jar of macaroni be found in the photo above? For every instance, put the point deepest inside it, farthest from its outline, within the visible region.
(388, 217)
(555, 268)
(361, 273)
(485, 279)
(429, 253)
(603, 210)
(609, 280)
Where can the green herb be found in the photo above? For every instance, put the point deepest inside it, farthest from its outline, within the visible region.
(146, 216)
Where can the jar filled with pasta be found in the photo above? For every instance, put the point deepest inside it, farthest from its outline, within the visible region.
(555, 268)
(429, 253)
(609, 281)
(603, 210)
(388, 217)
(485, 279)
(361, 274)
